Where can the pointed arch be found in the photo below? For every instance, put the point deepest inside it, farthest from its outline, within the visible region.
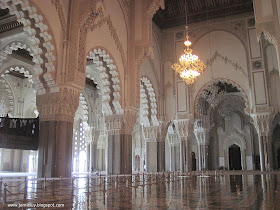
(109, 78)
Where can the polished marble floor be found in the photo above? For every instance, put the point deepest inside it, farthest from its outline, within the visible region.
(220, 191)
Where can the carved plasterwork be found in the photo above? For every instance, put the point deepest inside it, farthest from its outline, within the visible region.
(182, 127)
(228, 81)
(19, 69)
(262, 122)
(154, 6)
(125, 5)
(59, 106)
(235, 138)
(110, 80)
(268, 30)
(148, 103)
(61, 15)
(122, 123)
(6, 98)
(92, 19)
(151, 133)
(43, 50)
(202, 127)
(235, 65)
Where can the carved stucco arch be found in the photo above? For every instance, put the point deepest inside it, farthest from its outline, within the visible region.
(20, 69)
(10, 47)
(172, 135)
(9, 94)
(148, 97)
(109, 77)
(43, 49)
(223, 80)
(237, 139)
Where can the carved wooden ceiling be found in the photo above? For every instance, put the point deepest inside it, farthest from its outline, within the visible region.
(199, 10)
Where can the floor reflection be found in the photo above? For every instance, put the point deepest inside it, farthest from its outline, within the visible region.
(260, 191)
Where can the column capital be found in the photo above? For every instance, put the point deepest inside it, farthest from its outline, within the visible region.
(262, 122)
(183, 127)
(121, 123)
(151, 133)
(59, 106)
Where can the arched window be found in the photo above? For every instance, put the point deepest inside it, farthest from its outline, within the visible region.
(79, 149)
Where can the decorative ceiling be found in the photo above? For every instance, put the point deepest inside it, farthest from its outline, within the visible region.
(199, 10)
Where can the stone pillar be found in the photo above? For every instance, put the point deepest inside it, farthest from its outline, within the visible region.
(243, 158)
(201, 130)
(56, 115)
(182, 155)
(152, 150)
(119, 142)
(161, 155)
(183, 127)
(262, 124)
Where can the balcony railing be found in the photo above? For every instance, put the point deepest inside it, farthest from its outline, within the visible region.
(19, 133)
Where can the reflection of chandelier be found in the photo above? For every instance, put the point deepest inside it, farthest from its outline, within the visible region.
(213, 95)
(190, 66)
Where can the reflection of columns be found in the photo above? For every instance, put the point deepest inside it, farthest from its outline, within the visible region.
(119, 142)
(57, 111)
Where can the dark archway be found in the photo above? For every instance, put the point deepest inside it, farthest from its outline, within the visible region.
(193, 162)
(234, 157)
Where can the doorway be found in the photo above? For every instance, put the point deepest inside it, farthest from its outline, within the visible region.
(234, 157)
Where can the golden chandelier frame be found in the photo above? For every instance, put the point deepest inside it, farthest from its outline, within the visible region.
(189, 66)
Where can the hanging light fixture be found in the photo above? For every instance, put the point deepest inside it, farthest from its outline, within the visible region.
(189, 66)
(213, 95)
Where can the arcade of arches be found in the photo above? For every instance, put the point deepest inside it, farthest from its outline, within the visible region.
(97, 74)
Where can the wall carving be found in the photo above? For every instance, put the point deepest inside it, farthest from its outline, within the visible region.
(88, 22)
(6, 98)
(268, 31)
(262, 122)
(61, 16)
(60, 106)
(43, 49)
(122, 123)
(149, 102)
(226, 60)
(228, 81)
(110, 80)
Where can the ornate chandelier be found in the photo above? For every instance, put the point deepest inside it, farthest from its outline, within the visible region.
(189, 66)
(213, 95)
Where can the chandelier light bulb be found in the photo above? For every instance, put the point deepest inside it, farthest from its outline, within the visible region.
(189, 66)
